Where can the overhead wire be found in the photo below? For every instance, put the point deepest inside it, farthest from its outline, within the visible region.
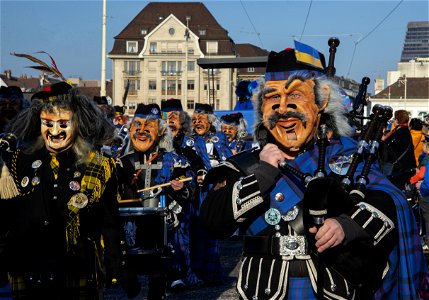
(250, 20)
(306, 18)
(369, 33)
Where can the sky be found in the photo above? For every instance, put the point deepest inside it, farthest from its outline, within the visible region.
(371, 33)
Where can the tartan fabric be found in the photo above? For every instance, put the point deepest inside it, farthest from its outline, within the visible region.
(55, 165)
(407, 264)
(72, 287)
(300, 288)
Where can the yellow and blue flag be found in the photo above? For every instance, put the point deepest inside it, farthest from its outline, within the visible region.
(307, 55)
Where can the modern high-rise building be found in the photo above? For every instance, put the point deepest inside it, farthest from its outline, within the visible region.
(416, 44)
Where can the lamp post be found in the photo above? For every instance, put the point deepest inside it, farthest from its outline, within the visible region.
(185, 84)
(404, 82)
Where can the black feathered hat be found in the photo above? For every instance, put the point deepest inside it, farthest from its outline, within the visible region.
(54, 90)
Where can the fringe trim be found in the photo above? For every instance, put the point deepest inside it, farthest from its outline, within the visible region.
(8, 188)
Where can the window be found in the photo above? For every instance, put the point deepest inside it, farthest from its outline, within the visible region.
(171, 68)
(132, 67)
(152, 84)
(202, 32)
(191, 65)
(151, 101)
(134, 86)
(171, 31)
(211, 47)
(143, 31)
(190, 104)
(217, 104)
(171, 87)
(218, 85)
(251, 70)
(191, 84)
(421, 115)
(205, 86)
(152, 47)
(132, 46)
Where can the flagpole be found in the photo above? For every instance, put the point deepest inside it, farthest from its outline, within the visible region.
(103, 53)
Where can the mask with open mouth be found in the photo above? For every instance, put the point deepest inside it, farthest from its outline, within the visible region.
(201, 123)
(57, 129)
(290, 113)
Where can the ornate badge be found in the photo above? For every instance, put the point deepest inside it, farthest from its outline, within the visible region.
(35, 180)
(36, 164)
(190, 142)
(79, 200)
(340, 164)
(154, 111)
(291, 214)
(272, 216)
(25, 181)
(76, 174)
(74, 185)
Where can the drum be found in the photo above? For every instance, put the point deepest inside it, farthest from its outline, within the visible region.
(145, 229)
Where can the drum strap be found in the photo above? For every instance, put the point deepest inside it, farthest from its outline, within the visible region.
(147, 166)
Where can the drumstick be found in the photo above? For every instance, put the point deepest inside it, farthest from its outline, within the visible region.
(162, 185)
(130, 200)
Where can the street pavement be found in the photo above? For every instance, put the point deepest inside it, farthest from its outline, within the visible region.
(230, 255)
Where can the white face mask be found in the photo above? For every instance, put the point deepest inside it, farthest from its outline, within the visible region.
(57, 129)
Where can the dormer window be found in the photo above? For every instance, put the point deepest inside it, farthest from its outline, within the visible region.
(202, 32)
(132, 46)
(143, 31)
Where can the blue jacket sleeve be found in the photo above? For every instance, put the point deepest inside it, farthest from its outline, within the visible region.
(424, 188)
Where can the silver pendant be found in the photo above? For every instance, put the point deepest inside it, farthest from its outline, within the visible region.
(79, 200)
(340, 164)
(74, 185)
(25, 181)
(291, 214)
(272, 216)
(35, 180)
(36, 164)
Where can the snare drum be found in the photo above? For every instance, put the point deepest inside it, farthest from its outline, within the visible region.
(145, 229)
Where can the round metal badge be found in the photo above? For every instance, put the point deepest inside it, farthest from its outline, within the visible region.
(279, 197)
(35, 180)
(80, 200)
(215, 139)
(272, 216)
(74, 185)
(76, 174)
(25, 181)
(190, 142)
(36, 164)
(291, 214)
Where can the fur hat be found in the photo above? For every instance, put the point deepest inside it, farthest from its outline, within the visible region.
(203, 108)
(151, 110)
(171, 105)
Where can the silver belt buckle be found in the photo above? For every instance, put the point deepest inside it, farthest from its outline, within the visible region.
(292, 245)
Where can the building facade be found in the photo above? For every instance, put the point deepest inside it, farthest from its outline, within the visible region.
(156, 57)
(416, 42)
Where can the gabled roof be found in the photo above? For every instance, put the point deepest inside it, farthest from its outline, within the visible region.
(417, 88)
(28, 85)
(250, 50)
(156, 12)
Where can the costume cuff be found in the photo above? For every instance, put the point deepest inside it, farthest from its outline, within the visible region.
(372, 220)
(245, 196)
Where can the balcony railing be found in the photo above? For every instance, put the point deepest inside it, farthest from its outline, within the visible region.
(171, 73)
(131, 73)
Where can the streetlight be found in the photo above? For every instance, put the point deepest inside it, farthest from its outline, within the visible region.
(403, 80)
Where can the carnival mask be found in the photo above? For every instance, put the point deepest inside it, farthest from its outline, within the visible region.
(57, 129)
(230, 131)
(201, 123)
(290, 113)
(144, 134)
(174, 122)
